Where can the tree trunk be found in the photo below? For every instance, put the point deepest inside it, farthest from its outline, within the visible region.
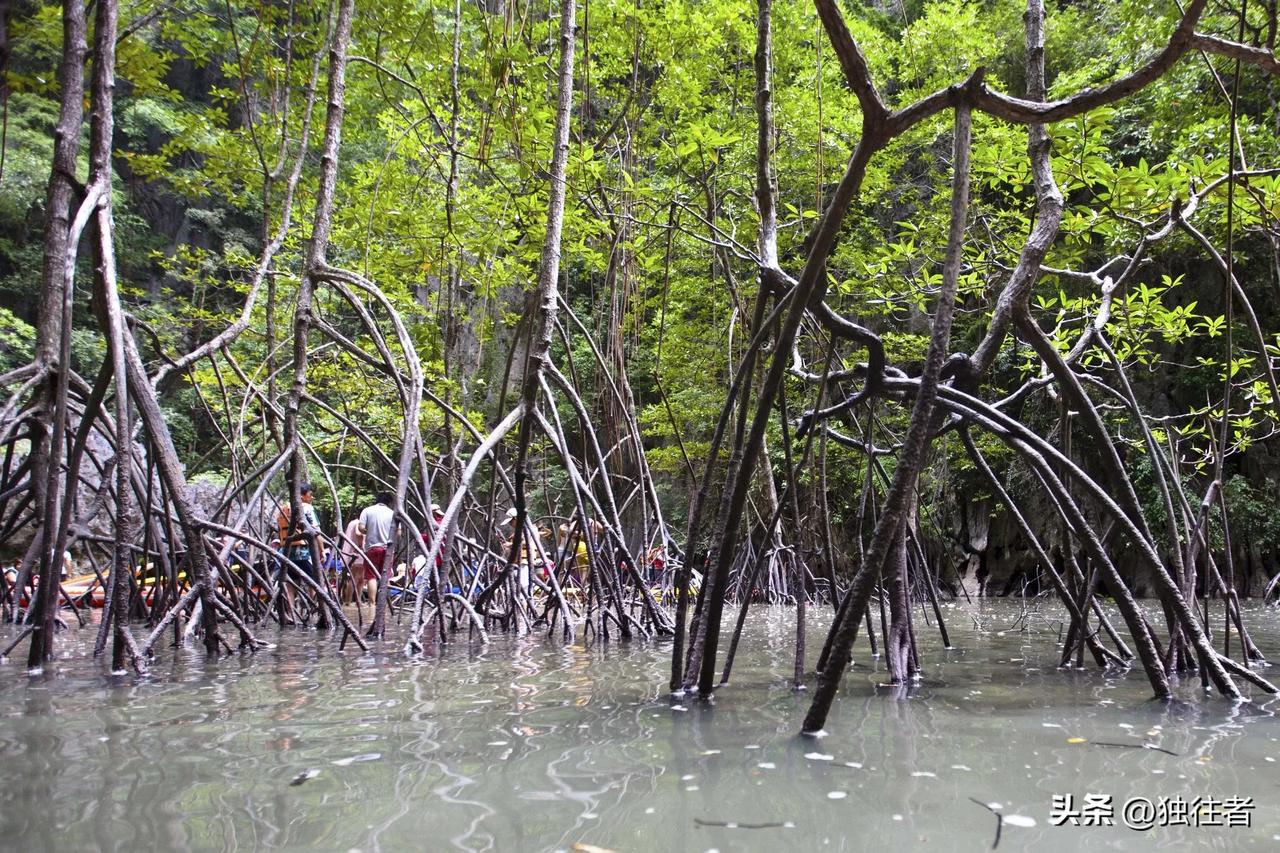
(548, 292)
(53, 336)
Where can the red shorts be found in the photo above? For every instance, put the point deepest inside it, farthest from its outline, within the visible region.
(373, 565)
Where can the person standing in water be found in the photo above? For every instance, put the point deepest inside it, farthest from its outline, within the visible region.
(353, 559)
(297, 547)
(377, 526)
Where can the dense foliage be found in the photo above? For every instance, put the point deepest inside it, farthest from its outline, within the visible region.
(442, 198)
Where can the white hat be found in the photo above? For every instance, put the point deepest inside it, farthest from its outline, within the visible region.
(510, 517)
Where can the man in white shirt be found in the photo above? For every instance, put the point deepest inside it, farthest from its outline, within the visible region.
(377, 526)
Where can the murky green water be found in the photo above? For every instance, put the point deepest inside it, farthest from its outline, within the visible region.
(526, 745)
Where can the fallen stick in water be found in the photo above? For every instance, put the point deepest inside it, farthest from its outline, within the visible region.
(730, 824)
(999, 821)
(1136, 746)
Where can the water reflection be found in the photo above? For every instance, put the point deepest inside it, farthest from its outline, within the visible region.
(535, 745)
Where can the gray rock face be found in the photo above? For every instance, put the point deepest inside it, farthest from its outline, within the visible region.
(91, 510)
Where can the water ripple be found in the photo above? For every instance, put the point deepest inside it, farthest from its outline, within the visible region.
(534, 745)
